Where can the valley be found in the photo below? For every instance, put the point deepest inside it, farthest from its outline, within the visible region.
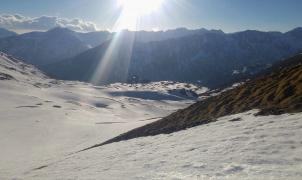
(150, 89)
(42, 120)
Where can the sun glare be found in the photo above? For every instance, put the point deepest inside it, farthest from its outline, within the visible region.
(140, 7)
(133, 10)
(131, 14)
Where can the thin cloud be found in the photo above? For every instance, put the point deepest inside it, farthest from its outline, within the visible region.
(20, 23)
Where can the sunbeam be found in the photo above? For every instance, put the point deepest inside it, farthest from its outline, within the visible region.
(113, 67)
(115, 62)
(133, 10)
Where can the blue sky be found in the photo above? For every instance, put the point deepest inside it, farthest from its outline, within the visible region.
(227, 15)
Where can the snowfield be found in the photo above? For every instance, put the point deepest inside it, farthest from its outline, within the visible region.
(42, 120)
(45, 122)
(240, 146)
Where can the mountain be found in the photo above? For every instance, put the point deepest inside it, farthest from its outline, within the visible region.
(84, 66)
(13, 71)
(277, 90)
(99, 37)
(152, 36)
(211, 58)
(6, 33)
(40, 48)
(297, 33)
(93, 39)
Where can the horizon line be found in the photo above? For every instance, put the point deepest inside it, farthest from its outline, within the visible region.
(25, 31)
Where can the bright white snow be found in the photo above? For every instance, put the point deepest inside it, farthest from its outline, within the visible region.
(42, 120)
(250, 148)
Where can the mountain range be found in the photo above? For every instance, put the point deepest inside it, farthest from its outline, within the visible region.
(209, 57)
(258, 118)
(42, 48)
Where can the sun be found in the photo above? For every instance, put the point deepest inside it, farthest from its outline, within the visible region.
(134, 11)
(140, 7)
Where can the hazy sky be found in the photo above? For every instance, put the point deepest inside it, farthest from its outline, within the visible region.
(227, 15)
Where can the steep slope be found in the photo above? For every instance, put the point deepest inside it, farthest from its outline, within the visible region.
(276, 91)
(40, 48)
(6, 33)
(13, 70)
(211, 58)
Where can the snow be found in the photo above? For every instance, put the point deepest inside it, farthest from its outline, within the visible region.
(42, 120)
(231, 148)
(235, 72)
(165, 87)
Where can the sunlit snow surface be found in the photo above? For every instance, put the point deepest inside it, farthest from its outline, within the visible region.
(43, 120)
(252, 148)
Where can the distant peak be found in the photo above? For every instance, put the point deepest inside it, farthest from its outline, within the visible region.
(297, 32)
(219, 31)
(6, 33)
(60, 29)
(298, 29)
(181, 29)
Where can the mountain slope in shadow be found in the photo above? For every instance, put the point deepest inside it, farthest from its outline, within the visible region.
(210, 58)
(4, 33)
(274, 91)
(41, 48)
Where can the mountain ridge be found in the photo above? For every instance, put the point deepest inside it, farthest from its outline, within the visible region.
(210, 57)
(40, 48)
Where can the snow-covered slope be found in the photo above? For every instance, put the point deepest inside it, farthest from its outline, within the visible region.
(45, 122)
(240, 146)
(42, 120)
